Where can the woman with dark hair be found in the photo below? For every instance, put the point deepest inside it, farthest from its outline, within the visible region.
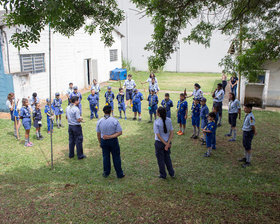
(233, 83)
(150, 80)
(197, 92)
(164, 133)
(10, 103)
(234, 109)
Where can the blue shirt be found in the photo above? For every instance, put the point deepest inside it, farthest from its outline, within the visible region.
(210, 127)
(159, 128)
(233, 106)
(108, 126)
(137, 98)
(182, 107)
(120, 98)
(219, 96)
(153, 100)
(57, 102)
(25, 112)
(204, 112)
(109, 97)
(167, 104)
(78, 94)
(233, 80)
(48, 110)
(93, 99)
(73, 114)
(37, 115)
(196, 110)
(249, 121)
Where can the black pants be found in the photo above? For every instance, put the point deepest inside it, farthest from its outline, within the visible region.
(111, 146)
(163, 159)
(219, 106)
(75, 138)
(224, 83)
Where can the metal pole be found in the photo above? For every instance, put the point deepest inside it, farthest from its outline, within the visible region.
(239, 53)
(50, 90)
(127, 58)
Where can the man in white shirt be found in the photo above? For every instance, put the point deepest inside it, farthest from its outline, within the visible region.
(218, 97)
(129, 85)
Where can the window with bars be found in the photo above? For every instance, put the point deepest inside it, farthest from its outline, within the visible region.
(114, 55)
(33, 63)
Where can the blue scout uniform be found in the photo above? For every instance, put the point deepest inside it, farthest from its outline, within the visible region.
(121, 104)
(93, 105)
(75, 131)
(197, 94)
(203, 115)
(247, 129)
(57, 103)
(25, 114)
(136, 101)
(182, 107)
(233, 108)
(214, 131)
(79, 95)
(109, 126)
(37, 116)
(196, 115)
(209, 136)
(167, 105)
(129, 85)
(110, 99)
(153, 102)
(218, 100)
(49, 120)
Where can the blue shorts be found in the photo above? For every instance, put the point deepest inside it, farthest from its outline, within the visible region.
(111, 105)
(58, 111)
(136, 107)
(168, 113)
(128, 94)
(26, 122)
(121, 106)
(203, 123)
(209, 137)
(12, 116)
(195, 121)
(153, 109)
(181, 119)
(247, 139)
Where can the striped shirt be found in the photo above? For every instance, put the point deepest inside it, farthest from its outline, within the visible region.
(108, 126)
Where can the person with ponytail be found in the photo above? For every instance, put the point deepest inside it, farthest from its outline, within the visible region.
(11, 104)
(164, 133)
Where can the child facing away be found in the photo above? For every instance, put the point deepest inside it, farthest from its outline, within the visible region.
(57, 104)
(204, 111)
(121, 103)
(137, 97)
(167, 104)
(93, 100)
(195, 118)
(182, 113)
(109, 97)
(25, 115)
(209, 131)
(37, 121)
(153, 105)
(49, 111)
(249, 131)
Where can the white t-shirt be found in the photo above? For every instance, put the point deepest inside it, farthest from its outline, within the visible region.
(8, 104)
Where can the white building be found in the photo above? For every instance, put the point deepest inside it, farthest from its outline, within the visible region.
(78, 59)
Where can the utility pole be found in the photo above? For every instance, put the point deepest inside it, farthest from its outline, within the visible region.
(127, 58)
(239, 53)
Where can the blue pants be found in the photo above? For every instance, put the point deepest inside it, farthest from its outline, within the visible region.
(163, 159)
(195, 121)
(181, 119)
(93, 111)
(168, 113)
(213, 142)
(75, 139)
(49, 123)
(209, 139)
(121, 107)
(233, 90)
(111, 146)
(153, 109)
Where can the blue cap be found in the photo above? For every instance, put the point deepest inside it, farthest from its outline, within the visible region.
(57, 94)
(75, 87)
(109, 87)
(203, 99)
(47, 100)
(135, 90)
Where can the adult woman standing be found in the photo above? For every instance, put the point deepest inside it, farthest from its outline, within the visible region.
(224, 80)
(150, 80)
(10, 103)
(164, 132)
(233, 83)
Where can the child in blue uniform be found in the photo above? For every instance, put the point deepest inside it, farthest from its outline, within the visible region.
(25, 115)
(137, 97)
(153, 105)
(167, 104)
(93, 100)
(249, 131)
(57, 104)
(209, 131)
(50, 115)
(37, 121)
(203, 116)
(216, 112)
(79, 95)
(182, 114)
(121, 103)
(109, 96)
(195, 118)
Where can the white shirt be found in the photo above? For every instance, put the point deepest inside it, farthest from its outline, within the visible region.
(197, 93)
(219, 96)
(149, 80)
(95, 87)
(129, 84)
(8, 104)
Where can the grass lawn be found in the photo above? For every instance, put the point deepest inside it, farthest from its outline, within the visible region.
(205, 190)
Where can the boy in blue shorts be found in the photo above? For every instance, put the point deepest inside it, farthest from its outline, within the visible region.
(137, 97)
(37, 121)
(93, 100)
(50, 115)
(195, 118)
(203, 116)
(121, 103)
(182, 113)
(167, 104)
(209, 131)
(109, 96)
(57, 104)
(25, 115)
(153, 102)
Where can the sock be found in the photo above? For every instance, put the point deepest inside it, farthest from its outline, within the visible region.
(151, 117)
(124, 113)
(26, 141)
(37, 134)
(139, 117)
(209, 151)
(120, 114)
(204, 137)
(194, 130)
(248, 158)
(183, 130)
(234, 134)
(15, 131)
(230, 132)
(59, 121)
(198, 131)
(220, 120)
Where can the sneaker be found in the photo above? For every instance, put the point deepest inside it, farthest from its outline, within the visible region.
(242, 160)
(125, 118)
(105, 175)
(28, 145)
(38, 138)
(61, 125)
(120, 117)
(178, 132)
(206, 154)
(227, 135)
(134, 119)
(195, 137)
(150, 121)
(181, 133)
(246, 164)
(58, 126)
(31, 143)
(41, 137)
(161, 177)
(82, 157)
(121, 176)
(232, 140)
(219, 125)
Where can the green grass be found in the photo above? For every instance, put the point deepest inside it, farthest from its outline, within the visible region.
(206, 190)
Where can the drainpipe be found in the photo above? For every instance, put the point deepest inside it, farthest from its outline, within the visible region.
(8, 52)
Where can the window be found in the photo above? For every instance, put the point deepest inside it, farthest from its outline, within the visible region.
(33, 63)
(114, 55)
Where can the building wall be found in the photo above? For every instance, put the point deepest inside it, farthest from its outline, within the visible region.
(68, 62)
